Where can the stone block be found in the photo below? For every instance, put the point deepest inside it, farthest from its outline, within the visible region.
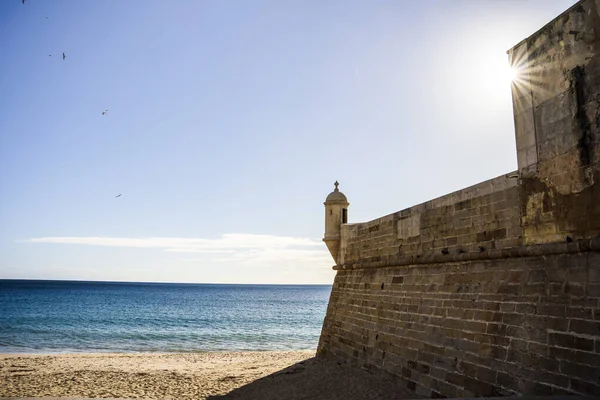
(583, 372)
(531, 156)
(585, 327)
(478, 387)
(571, 341)
(522, 158)
(585, 302)
(524, 124)
(582, 387)
(526, 140)
(554, 109)
(409, 227)
(508, 381)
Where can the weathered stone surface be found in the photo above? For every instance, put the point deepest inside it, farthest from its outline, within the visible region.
(493, 290)
(447, 324)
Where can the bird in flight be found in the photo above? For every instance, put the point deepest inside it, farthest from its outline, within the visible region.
(119, 195)
(23, 1)
(104, 112)
(64, 56)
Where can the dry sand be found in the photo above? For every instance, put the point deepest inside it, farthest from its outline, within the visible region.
(215, 375)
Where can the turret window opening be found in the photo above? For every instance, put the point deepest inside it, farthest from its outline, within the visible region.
(330, 212)
(344, 215)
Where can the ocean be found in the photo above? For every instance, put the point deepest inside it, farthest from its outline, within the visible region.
(69, 316)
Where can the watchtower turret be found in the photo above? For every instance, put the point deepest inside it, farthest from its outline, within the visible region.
(336, 214)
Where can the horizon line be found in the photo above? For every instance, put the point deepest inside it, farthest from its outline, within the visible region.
(167, 283)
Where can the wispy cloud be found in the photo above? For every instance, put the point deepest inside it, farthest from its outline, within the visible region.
(235, 248)
(224, 244)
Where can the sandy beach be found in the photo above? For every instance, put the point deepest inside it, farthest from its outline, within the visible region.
(212, 375)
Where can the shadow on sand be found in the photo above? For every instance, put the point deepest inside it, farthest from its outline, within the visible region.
(320, 379)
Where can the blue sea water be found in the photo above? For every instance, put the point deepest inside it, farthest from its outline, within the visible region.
(67, 316)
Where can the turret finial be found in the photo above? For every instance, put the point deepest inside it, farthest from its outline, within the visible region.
(336, 184)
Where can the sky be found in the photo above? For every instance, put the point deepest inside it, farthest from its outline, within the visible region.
(229, 121)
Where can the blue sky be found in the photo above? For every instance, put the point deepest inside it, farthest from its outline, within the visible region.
(228, 123)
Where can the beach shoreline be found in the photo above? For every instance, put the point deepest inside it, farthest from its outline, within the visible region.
(138, 375)
(264, 375)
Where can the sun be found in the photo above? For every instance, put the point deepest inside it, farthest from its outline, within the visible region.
(511, 74)
(492, 76)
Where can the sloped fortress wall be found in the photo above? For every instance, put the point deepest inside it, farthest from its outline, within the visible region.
(495, 289)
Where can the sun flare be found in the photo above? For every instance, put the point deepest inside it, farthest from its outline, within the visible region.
(511, 73)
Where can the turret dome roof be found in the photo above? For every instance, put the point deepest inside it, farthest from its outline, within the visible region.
(336, 195)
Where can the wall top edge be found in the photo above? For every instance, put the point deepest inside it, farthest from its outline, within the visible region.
(552, 21)
(497, 184)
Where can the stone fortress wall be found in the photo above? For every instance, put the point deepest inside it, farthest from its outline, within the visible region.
(494, 289)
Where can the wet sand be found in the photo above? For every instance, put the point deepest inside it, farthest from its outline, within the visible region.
(213, 375)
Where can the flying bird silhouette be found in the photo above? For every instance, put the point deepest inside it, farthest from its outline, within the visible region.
(64, 56)
(119, 195)
(23, 1)
(104, 112)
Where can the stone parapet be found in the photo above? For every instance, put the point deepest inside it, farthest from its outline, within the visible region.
(579, 246)
(484, 215)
